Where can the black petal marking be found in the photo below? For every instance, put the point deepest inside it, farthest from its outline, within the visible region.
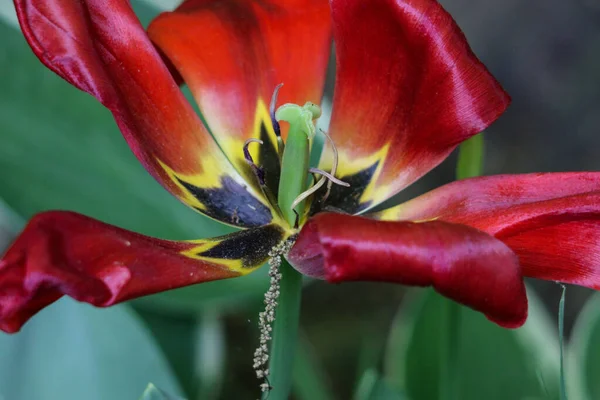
(346, 199)
(252, 246)
(231, 203)
(268, 160)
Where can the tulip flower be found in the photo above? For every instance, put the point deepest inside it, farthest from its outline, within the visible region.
(408, 90)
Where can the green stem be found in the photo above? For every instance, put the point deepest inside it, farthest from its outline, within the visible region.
(294, 169)
(449, 350)
(285, 333)
(470, 164)
(470, 158)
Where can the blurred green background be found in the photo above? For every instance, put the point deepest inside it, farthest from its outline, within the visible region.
(60, 149)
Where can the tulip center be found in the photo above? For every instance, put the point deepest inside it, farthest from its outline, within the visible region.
(297, 181)
(296, 153)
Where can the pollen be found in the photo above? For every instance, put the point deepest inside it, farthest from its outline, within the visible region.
(267, 317)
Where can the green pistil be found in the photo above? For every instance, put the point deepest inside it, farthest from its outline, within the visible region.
(295, 162)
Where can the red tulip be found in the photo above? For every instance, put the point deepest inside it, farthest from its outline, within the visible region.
(408, 91)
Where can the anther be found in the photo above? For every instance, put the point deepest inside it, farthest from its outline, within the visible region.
(274, 122)
(334, 165)
(258, 171)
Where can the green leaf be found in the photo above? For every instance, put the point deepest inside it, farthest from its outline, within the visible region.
(495, 363)
(223, 295)
(309, 378)
(64, 151)
(154, 393)
(195, 348)
(175, 336)
(561, 335)
(145, 10)
(583, 353)
(372, 387)
(10, 224)
(210, 355)
(74, 351)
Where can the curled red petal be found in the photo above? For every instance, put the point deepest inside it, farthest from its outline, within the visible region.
(462, 263)
(408, 90)
(550, 220)
(64, 253)
(100, 47)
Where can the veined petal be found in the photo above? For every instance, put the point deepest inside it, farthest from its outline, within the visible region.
(64, 253)
(100, 47)
(408, 91)
(551, 220)
(462, 263)
(233, 53)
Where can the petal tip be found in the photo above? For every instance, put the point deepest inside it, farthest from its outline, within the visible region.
(306, 256)
(513, 321)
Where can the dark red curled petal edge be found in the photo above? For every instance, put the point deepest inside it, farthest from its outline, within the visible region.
(64, 253)
(550, 220)
(460, 262)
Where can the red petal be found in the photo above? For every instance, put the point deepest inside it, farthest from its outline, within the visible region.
(63, 253)
(100, 47)
(552, 220)
(460, 262)
(408, 90)
(232, 54)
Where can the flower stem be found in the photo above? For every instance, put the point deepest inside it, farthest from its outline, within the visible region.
(285, 333)
(294, 170)
(470, 158)
(470, 164)
(449, 350)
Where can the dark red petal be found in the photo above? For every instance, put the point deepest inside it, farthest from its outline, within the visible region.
(551, 220)
(565, 252)
(462, 263)
(233, 53)
(100, 47)
(408, 90)
(64, 253)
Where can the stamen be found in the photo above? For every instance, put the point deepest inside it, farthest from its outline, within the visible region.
(274, 122)
(252, 140)
(325, 176)
(267, 317)
(296, 219)
(307, 193)
(333, 167)
(258, 171)
(329, 176)
(272, 106)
